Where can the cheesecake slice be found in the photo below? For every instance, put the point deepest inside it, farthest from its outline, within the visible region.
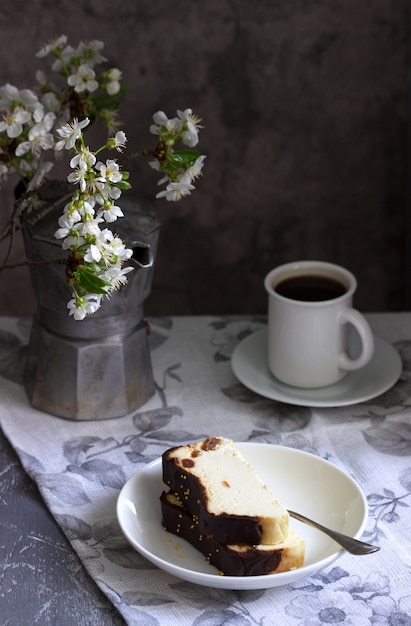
(224, 494)
(232, 560)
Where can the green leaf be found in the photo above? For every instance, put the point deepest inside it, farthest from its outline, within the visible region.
(184, 157)
(103, 100)
(90, 282)
(124, 185)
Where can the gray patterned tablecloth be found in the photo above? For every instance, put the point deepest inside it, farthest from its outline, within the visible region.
(80, 467)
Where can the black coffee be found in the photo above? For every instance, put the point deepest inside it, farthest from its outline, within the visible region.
(310, 288)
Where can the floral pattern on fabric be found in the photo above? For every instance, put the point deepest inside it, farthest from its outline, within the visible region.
(80, 468)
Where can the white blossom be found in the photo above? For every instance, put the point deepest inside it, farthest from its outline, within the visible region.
(91, 227)
(60, 42)
(40, 137)
(22, 148)
(119, 141)
(89, 52)
(51, 102)
(83, 160)
(8, 95)
(110, 171)
(113, 87)
(195, 170)
(93, 254)
(67, 54)
(84, 79)
(114, 250)
(80, 307)
(28, 99)
(192, 122)
(113, 81)
(65, 223)
(161, 120)
(116, 276)
(70, 213)
(106, 192)
(86, 210)
(177, 190)
(110, 212)
(13, 122)
(78, 176)
(119, 248)
(70, 132)
(155, 164)
(72, 241)
(13, 98)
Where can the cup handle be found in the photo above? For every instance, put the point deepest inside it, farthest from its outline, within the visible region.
(351, 316)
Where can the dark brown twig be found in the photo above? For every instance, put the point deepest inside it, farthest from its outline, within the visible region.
(12, 266)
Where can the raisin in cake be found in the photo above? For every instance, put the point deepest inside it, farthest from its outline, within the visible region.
(223, 493)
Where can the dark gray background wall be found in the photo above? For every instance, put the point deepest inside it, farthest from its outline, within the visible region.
(305, 111)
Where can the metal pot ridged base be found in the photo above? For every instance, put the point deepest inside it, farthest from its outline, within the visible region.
(88, 380)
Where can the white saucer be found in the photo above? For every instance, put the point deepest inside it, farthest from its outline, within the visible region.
(302, 481)
(249, 363)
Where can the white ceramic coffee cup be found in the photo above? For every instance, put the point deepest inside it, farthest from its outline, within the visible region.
(308, 340)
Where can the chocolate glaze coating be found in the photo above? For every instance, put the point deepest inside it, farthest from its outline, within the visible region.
(229, 560)
(225, 528)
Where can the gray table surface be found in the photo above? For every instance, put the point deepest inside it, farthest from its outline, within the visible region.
(42, 581)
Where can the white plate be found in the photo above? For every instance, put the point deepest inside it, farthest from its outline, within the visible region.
(249, 363)
(302, 481)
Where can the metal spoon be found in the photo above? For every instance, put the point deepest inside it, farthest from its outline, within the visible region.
(353, 546)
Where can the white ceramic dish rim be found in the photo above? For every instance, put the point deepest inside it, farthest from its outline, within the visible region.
(234, 582)
(249, 364)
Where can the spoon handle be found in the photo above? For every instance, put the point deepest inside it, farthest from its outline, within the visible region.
(353, 546)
